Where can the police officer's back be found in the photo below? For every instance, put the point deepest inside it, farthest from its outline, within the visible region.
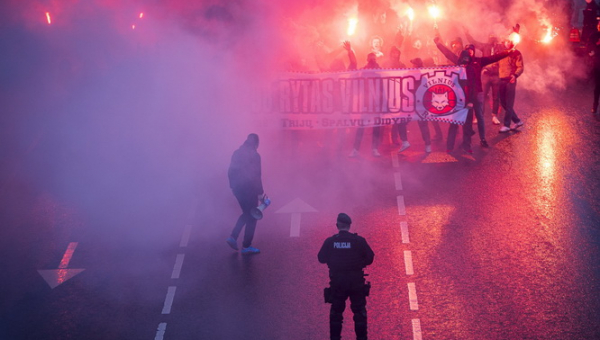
(346, 255)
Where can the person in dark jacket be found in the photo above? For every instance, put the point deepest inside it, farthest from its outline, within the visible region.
(473, 91)
(591, 12)
(490, 79)
(245, 180)
(594, 51)
(346, 256)
(376, 137)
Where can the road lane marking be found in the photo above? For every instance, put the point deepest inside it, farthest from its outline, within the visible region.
(295, 227)
(169, 300)
(296, 208)
(160, 332)
(408, 262)
(395, 161)
(404, 232)
(185, 238)
(412, 296)
(177, 267)
(64, 262)
(398, 180)
(401, 207)
(416, 328)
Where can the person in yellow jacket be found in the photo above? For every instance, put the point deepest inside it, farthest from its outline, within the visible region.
(509, 69)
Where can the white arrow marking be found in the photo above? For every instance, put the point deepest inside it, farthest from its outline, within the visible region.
(295, 207)
(56, 277)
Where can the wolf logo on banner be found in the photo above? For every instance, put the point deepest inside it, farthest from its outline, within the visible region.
(441, 96)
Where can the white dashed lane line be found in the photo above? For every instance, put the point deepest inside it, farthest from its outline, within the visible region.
(416, 327)
(169, 300)
(401, 207)
(177, 267)
(412, 296)
(185, 238)
(408, 263)
(398, 180)
(408, 260)
(404, 232)
(160, 332)
(176, 273)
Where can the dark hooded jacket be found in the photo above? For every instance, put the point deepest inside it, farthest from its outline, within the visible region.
(473, 66)
(245, 169)
(591, 13)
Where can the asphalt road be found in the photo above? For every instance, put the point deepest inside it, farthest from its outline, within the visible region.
(501, 244)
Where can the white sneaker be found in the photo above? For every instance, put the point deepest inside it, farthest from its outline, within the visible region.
(504, 129)
(517, 125)
(353, 153)
(495, 120)
(376, 153)
(404, 146)
(428, 148)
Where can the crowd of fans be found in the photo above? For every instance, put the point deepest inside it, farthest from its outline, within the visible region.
(493, 67)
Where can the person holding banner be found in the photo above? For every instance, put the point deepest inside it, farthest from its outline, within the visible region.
(473, 91)
(371, 64)
(423, 124)
(489, 76)
(246, 183)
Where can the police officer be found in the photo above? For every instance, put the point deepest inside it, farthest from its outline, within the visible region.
(346, 256)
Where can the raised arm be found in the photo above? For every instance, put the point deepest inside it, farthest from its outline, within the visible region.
(494, 58)
(351, 55)
(445, 51)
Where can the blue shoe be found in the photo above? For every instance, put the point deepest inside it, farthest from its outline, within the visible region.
(250, 250)
(232, 243)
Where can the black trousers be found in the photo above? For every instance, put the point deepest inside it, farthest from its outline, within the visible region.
(248, 201)
(596, 74)
(507, 94)
(467, 130)
(491, 82)
(348, 285)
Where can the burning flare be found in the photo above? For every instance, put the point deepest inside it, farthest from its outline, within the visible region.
(434, 11)
(550, 34)
(515, 38)
(48, 19)
(352, 23)
(410, 13)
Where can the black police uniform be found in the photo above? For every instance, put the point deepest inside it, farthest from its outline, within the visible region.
(346, 255)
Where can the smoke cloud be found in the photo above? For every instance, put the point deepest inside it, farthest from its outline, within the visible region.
(126, 104)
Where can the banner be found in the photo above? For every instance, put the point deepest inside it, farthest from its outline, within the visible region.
(365, 98)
